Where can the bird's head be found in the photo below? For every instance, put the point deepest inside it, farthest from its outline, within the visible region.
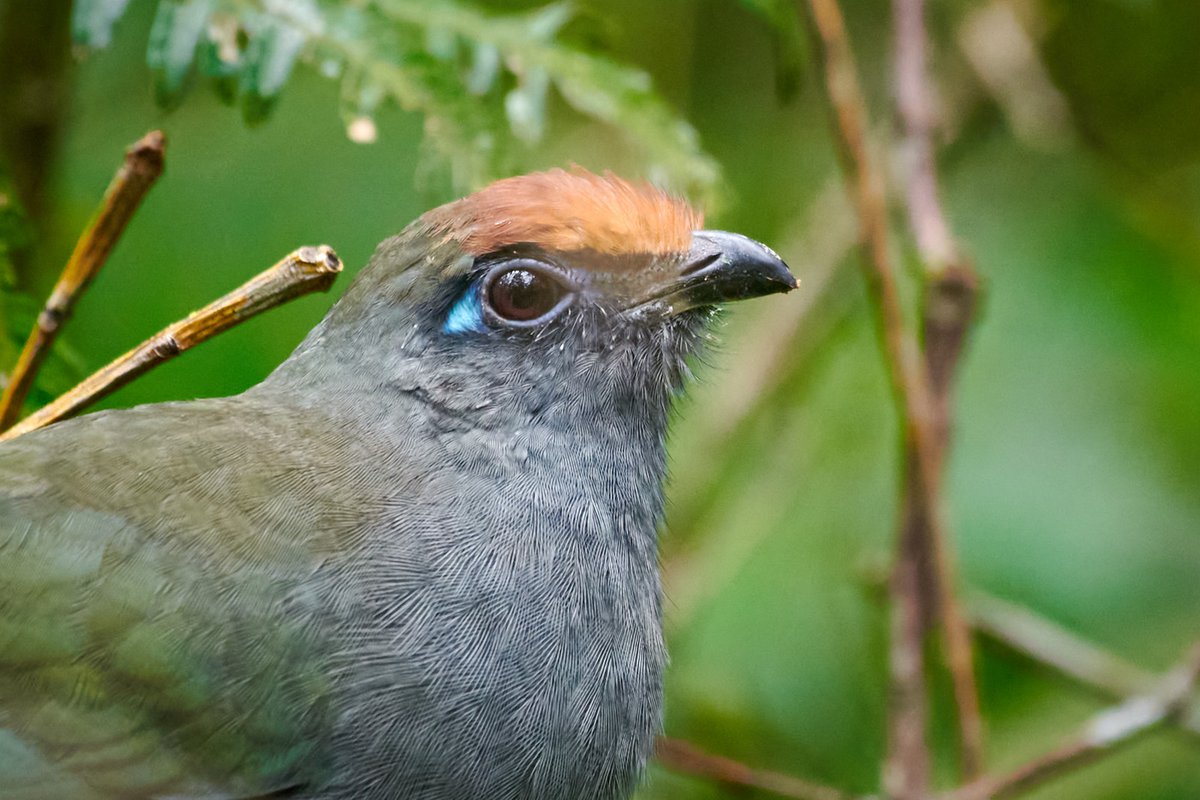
(561, 277)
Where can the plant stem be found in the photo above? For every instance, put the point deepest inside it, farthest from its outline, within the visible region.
(684, 757)
(950, 300)
(1105, 733)
(1054, 646)
(306, 270)
(921, 537)
(142, 166)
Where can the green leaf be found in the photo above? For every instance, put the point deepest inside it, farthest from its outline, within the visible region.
(270, 57)
(18, 311)
(176, 31)
(624, 97)
(14, 229)
(482, 80)
(485, 68)
(92, 21)
(545, 23)
(593, 84)
(220, 56)
(526, 105)
(441, 43)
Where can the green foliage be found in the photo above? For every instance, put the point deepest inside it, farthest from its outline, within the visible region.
(787, 34)
(481, 80)
(174, 39)
(92, 22)
(14, 236)
(18, 310)
(1077, 446)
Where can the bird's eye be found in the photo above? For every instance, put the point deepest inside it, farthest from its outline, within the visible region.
(524, 295)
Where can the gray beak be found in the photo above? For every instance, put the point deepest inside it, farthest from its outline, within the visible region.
(721, 267)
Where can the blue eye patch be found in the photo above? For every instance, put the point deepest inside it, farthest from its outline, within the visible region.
(466, 315)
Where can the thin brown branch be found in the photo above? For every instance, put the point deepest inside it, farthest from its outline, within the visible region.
(949, 304)
(1105, 733)
(142, 166)
(915, 106)
(684, 757)
(309, 269)
(1052, 645)
(906, 769)
(921, 541)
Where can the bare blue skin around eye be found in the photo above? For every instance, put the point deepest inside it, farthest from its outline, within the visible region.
(466, 315)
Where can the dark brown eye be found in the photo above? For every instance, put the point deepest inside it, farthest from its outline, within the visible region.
(522, 295)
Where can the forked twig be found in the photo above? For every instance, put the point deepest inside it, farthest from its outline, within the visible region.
(684, 757)
(906, 772)
(142, 166)
(1106, 732)
(950, 301)
(1051, 645)
(309, 269)
(916, 110)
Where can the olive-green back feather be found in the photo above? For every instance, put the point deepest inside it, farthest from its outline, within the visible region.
(128, 587)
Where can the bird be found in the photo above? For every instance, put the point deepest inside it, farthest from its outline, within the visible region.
(419, 560)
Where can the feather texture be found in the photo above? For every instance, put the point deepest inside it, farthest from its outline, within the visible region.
(566, 212)
(409, 565)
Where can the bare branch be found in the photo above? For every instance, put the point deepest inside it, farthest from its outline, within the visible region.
(684, 757)
(906, 769)
(1049, 643)
(1054, 646)
(1105, 733)
(1006, 57)
(142, 166)
(309, 269)
(915, 105)
(950, 300)
(922, 540)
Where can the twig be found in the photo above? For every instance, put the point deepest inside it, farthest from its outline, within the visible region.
(309, 269)
(949, 304)
(1104, 733)
(684, 757)
(906, 772)
(1049, 643)
(907, 765)
(1006, 57)
(914, 103)
(1052, 645)
(141, 168)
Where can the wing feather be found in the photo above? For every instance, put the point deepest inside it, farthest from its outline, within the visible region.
(155, 636)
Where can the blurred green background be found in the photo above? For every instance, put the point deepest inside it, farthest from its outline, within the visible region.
(1071, 163)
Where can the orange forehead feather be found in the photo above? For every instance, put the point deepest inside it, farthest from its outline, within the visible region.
(564, 211)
